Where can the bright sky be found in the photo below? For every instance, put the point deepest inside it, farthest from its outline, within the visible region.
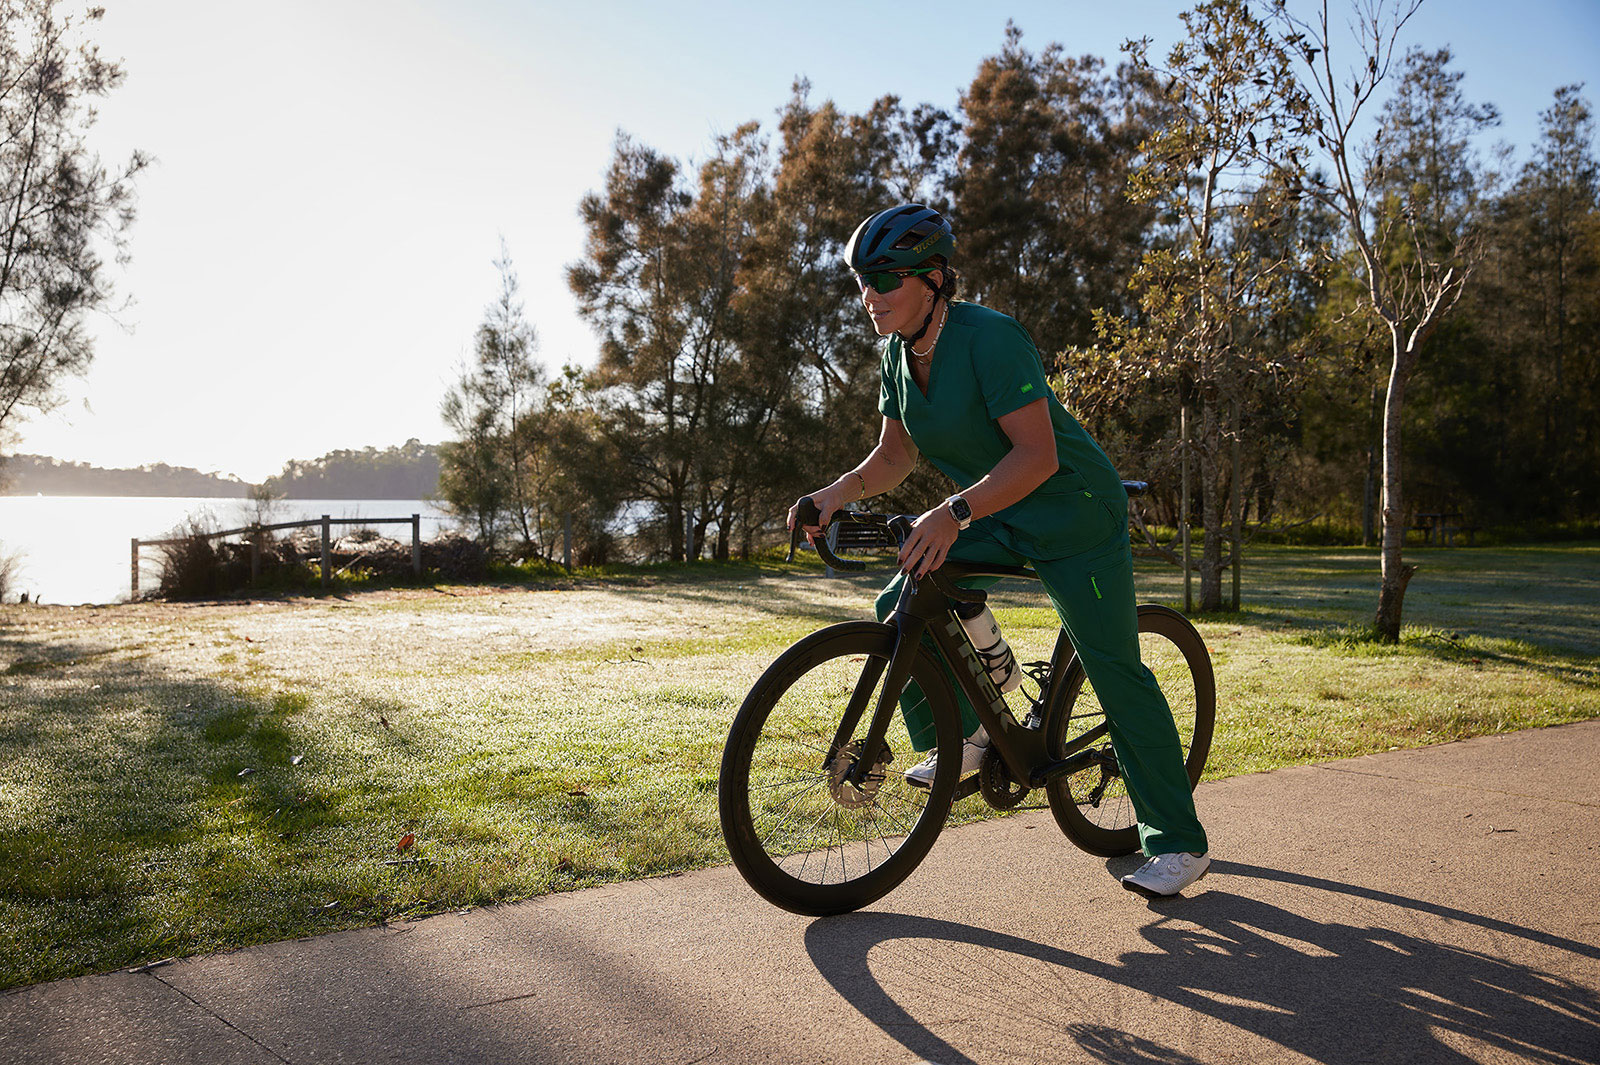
(314, 245)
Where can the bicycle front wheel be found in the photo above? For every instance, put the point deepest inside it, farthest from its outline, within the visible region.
(1092, 806)
(803, 830)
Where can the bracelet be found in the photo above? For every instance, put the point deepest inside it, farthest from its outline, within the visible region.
(863, 481)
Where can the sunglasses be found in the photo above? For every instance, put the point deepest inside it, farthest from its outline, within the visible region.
(881, 281)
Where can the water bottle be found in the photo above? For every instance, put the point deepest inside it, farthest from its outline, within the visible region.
(992, 648)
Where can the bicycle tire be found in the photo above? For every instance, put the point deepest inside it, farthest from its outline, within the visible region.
(792, 836)
(1092, 806)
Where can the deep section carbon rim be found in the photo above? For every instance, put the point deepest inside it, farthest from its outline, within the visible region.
(804, 830)
(1092, 806)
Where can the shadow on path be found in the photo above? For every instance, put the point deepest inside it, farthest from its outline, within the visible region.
(1338, 993)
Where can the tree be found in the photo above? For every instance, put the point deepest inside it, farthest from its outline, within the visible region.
(1211, 297)
(405, 471)
(59, 205)
(657, 281)
(721, 336)
(1047, 233)
(584, 487)
(1540, 307)
(799, 297)
(488, 473)
(1407, 199)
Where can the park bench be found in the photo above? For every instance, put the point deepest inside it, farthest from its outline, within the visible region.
(1440, 527)
(844, 536)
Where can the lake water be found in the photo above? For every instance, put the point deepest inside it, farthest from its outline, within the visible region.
(76, 549)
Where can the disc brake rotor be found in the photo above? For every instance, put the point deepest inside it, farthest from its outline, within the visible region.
(847, 792)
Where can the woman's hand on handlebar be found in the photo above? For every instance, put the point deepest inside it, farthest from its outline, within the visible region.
(827, 500)
(932, 534)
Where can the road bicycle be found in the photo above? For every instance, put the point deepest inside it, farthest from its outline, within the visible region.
(815, 807)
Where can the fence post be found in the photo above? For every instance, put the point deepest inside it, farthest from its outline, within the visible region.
(326, 561)
(133, 581)
(255, 554)
(566, 540)
(1238, 506)
(416, 544)
(1183, 510)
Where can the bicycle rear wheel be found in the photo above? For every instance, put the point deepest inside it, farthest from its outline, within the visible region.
(800, 832)
(1092, 806)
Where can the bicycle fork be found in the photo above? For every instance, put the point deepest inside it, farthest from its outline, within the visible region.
(907, 636)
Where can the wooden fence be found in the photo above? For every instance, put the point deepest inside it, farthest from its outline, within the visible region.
(257, 531)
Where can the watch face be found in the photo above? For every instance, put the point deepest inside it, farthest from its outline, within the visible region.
(960, 510)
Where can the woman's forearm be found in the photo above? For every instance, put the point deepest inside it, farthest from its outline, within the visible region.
(874, 475)
(1012, 478)
(888, 464)
(1029, 463)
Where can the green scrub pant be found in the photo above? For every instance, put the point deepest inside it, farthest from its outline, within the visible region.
(1093, 594)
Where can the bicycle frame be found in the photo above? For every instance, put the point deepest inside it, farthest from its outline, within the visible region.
(925, 609)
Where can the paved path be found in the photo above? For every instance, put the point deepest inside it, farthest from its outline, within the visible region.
(1418, 906)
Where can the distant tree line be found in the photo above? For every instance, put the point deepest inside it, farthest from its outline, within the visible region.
(1215, 259)
(41, 475)
(408, 471)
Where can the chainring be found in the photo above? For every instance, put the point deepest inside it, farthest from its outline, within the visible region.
(995, 783)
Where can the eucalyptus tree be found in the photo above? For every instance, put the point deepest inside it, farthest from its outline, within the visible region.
(833, 170)
(1210, 292)
(1047, 141)
(59, 204)
(1407, 199)
(657, 281)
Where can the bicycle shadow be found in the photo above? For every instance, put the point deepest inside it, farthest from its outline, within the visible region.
(1337, 993)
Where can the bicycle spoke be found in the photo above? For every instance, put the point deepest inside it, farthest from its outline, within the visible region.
(887, 850)
(844, 850)
(779, 818)
(820, 746)
(899, 823)
(814, 778)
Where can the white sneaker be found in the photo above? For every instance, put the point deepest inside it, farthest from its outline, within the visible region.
(972, 752)
(1167, 874)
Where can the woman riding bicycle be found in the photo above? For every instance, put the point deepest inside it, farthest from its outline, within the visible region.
(965, 386)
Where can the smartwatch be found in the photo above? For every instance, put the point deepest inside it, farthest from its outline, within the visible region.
(959, 510)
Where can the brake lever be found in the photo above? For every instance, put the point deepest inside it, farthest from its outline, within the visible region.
(807, 512)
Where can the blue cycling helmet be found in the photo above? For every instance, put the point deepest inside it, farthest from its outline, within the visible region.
(904, 238)
(900, 238)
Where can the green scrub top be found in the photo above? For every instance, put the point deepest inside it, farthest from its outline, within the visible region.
(984, 367)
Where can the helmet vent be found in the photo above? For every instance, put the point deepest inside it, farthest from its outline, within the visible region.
(912, 237)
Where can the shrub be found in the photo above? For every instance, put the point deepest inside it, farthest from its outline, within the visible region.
(10, 562)
(197, 565)
(456, 557)
(190, 565)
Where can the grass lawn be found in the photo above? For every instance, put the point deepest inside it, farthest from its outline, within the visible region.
(184, 778)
